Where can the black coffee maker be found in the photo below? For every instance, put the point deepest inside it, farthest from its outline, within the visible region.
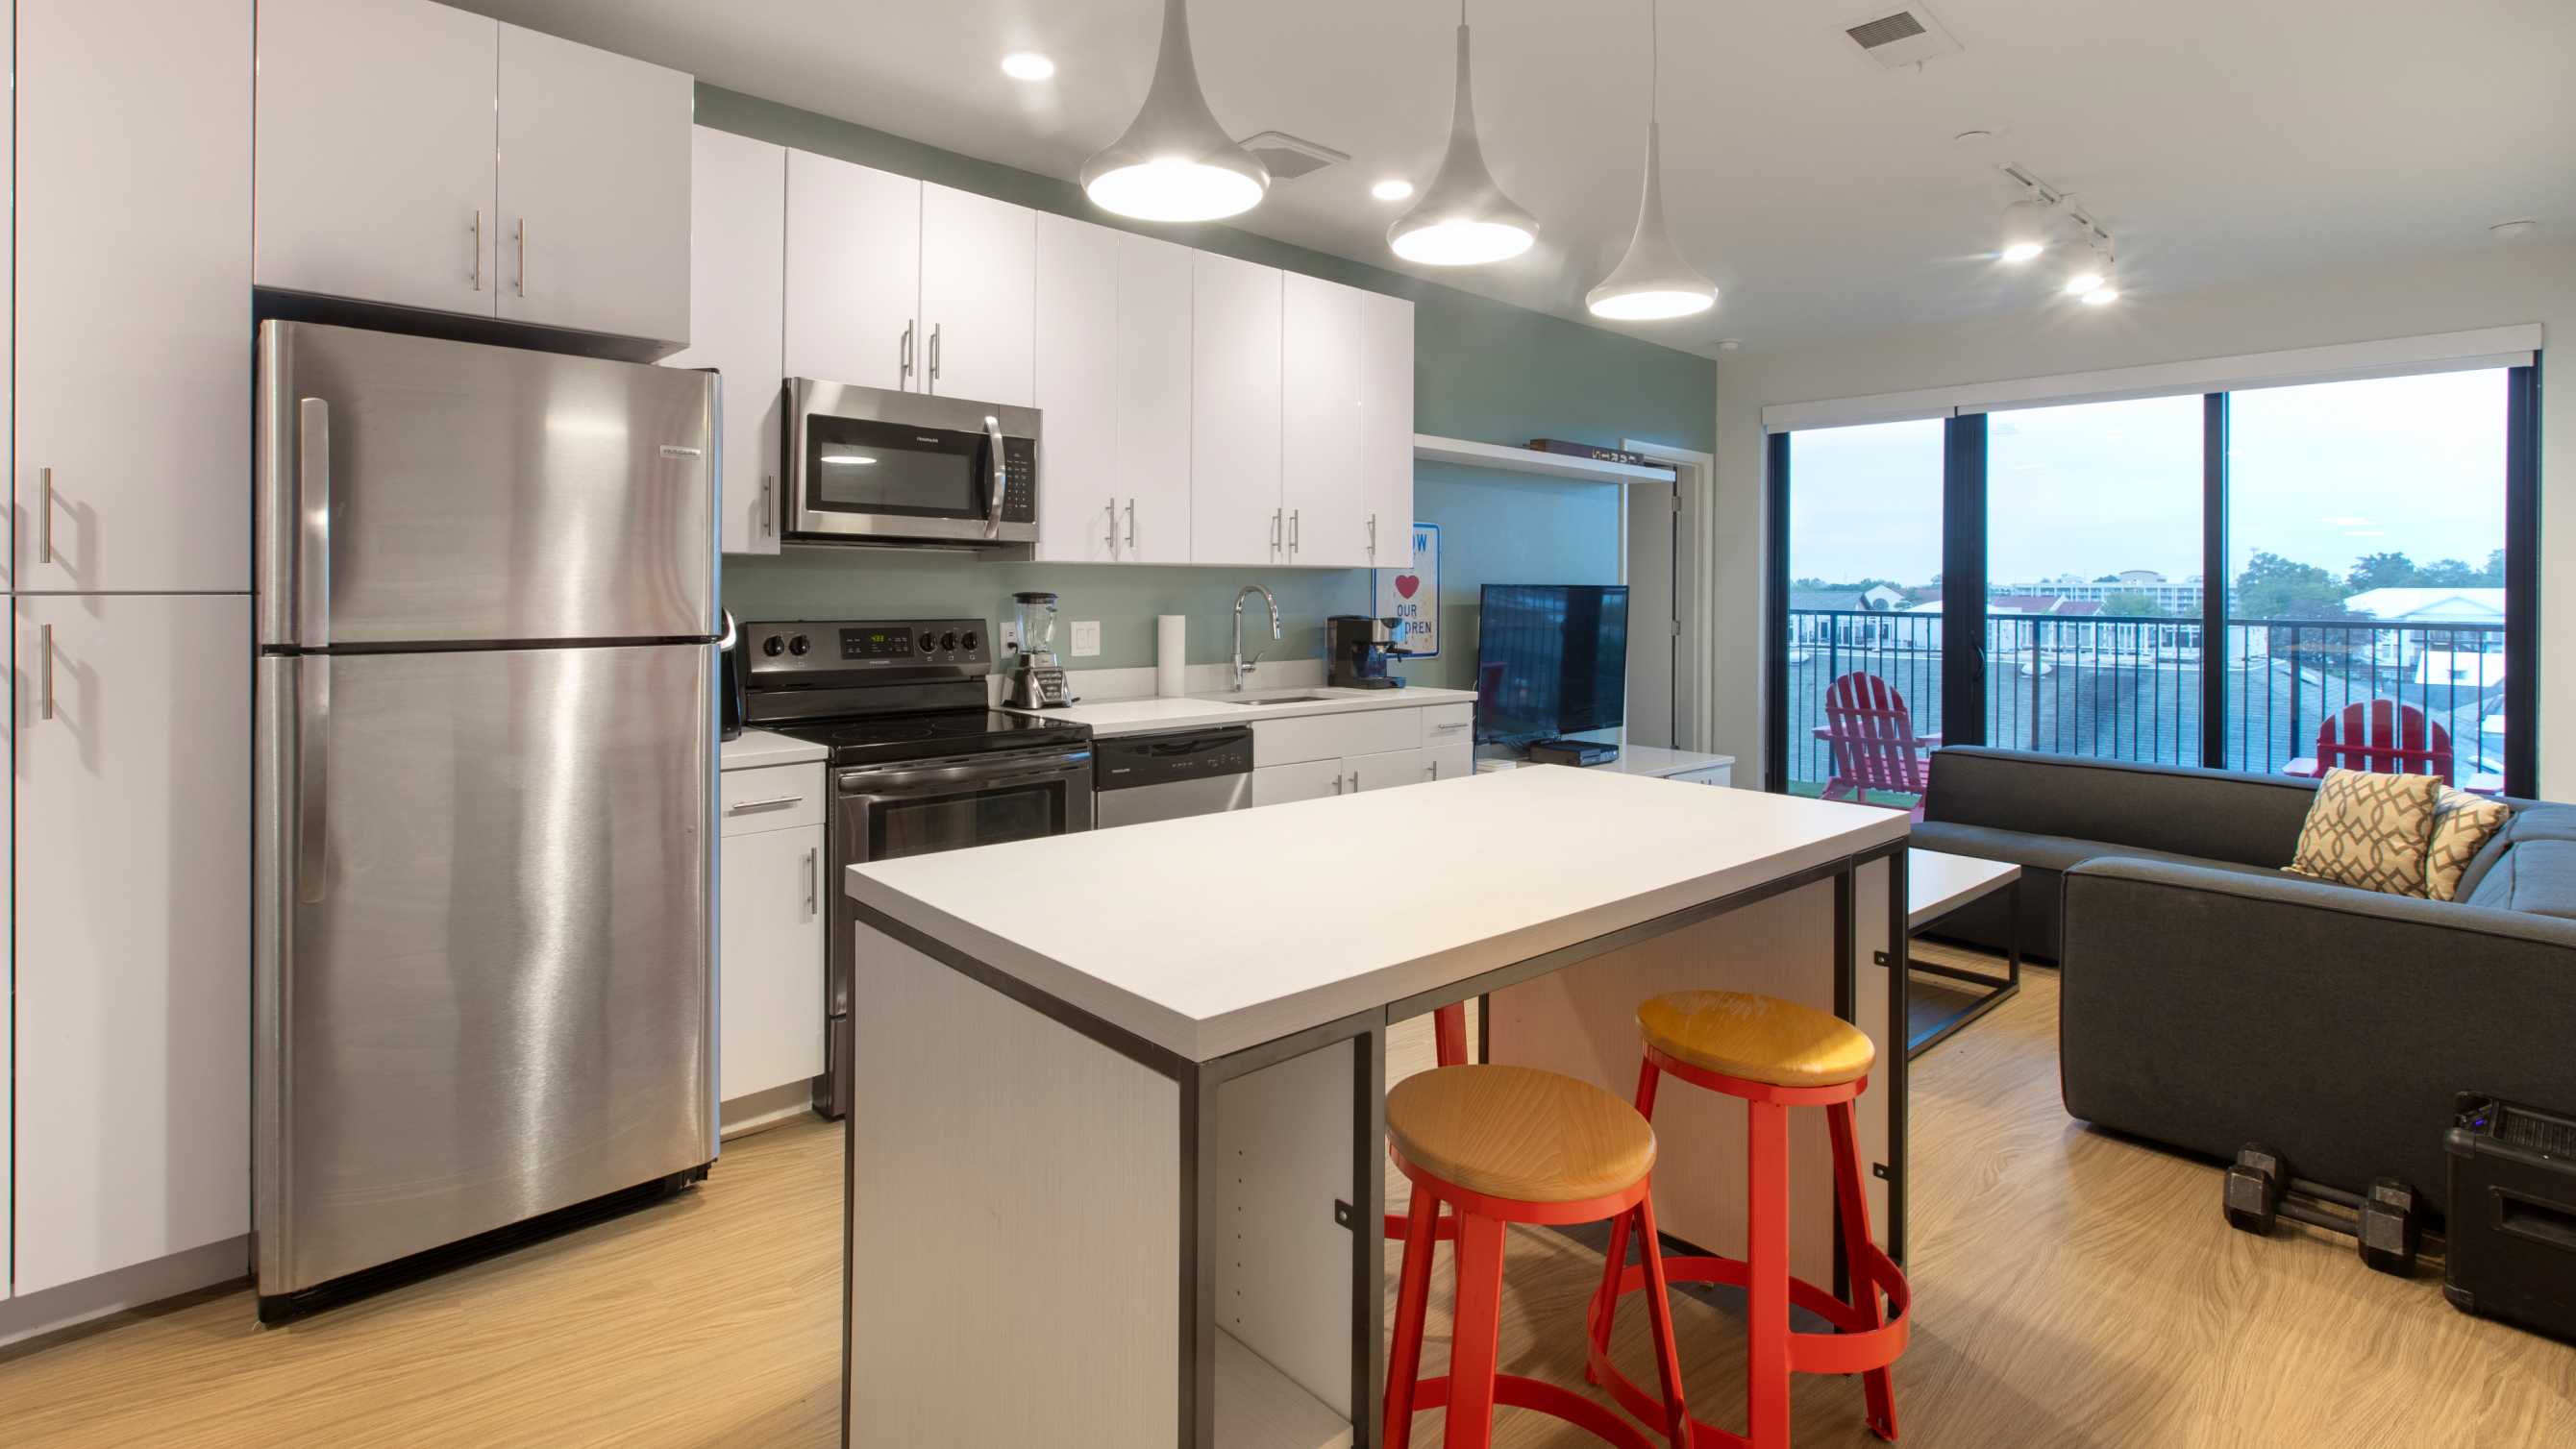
(1360, 647)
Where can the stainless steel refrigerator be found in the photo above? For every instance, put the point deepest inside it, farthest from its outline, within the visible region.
(484, 877)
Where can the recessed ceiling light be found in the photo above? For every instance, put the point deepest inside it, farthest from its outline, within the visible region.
(2508, 230)
(1970, 137)
(1392, 189)
(1027, 65)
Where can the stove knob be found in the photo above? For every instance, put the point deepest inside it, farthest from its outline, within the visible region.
(929, 641)
(773, 646)
(799, 645)
(948, 640)
(968, 642)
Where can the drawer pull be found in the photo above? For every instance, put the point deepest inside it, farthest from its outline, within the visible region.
(776, 802)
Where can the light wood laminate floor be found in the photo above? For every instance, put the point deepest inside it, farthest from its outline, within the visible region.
(2071, 1289)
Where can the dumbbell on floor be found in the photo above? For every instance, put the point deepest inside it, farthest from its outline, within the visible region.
(2384, 1222)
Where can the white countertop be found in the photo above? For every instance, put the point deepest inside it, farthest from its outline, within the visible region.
(1210, 934)
(759, 747)
(1148, 716)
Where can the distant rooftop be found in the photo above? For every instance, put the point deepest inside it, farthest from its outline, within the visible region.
(2465, 606)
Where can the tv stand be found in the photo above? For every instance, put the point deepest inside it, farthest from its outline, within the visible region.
(1572, 752)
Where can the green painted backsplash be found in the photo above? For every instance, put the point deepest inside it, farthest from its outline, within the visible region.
(1482, 370)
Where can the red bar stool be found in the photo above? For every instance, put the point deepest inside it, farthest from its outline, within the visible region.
(1449, 1046)
(1503, 1145)
(1774, 1055)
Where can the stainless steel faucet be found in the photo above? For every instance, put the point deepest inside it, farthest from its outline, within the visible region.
(1243, 666)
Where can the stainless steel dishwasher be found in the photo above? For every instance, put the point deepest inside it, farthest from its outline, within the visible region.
(1136, 778)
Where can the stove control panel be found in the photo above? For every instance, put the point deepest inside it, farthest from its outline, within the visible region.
(857, 650)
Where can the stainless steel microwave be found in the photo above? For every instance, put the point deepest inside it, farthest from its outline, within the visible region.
(869, 465)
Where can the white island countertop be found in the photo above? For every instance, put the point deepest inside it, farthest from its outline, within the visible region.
(1219, 932)
(1187, 712)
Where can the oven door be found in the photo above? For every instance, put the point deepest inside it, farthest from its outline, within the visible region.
(871, 465)
(884, 812)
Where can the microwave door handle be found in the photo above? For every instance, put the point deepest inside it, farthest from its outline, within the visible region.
(993, 511)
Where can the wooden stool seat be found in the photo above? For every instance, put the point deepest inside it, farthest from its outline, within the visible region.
(1757, 1038)
(1519, 1133)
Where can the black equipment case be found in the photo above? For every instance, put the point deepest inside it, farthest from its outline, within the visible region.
(2510, 1254)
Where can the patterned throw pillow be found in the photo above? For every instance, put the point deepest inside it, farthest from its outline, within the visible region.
(2462, 825)
(2370, 830)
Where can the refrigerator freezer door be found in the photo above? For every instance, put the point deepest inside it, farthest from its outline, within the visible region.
(484, 948)
(419, 491)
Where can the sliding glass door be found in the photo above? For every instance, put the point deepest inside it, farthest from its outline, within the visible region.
(2366, 549)
(2200, 579)
(1864, 591)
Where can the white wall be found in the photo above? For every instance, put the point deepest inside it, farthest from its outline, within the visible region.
(2497, 286)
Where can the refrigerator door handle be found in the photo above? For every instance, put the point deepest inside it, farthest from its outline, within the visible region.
(312, 776)
(313, 522)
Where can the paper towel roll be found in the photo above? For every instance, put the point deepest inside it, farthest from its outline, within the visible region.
(1171, 655)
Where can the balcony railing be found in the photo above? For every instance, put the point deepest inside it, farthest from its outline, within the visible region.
(2130, 688)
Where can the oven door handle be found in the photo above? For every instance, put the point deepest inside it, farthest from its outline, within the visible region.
(895, 780)
(1001, 479)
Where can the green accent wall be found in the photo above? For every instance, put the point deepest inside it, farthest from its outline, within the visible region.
(1482, 370)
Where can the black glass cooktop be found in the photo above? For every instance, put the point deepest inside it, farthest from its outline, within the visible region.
(887, 738)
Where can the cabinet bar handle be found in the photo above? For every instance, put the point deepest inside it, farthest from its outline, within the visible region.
(1337, 784)
(1275, 515)
(45, 528)
(1355, 782)
(813, 879)
(45, 641)
(1113, 525)
(523, 256)
(905, 351)
(769, 504)
(934, 352)
(779, 802)
(1372, 538)
(1131, 523)
(1293, 532)
(478, 249)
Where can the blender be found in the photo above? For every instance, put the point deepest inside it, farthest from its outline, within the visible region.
(1038, 681)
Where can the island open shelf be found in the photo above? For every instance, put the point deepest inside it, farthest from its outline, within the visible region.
(1117, 1145)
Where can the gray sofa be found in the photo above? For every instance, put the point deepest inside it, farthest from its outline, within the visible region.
(2209, 1000)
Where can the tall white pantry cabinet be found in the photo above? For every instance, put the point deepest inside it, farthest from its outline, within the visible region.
(130, 682)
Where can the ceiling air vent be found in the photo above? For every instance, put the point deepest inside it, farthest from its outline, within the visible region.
(1901, 37)
(1290, 157)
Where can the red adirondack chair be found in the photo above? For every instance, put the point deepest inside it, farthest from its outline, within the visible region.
(1874, 743)
(2382, 736)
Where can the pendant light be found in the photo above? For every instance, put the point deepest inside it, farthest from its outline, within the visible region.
(1463, 219)
(1175, 163)
(1654, 280)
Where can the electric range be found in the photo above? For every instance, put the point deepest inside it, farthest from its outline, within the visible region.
(920, 761)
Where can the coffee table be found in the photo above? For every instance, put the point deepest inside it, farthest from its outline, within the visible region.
(1937, 883)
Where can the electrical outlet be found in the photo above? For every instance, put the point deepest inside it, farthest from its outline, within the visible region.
(1086, 638)
(1010, 636)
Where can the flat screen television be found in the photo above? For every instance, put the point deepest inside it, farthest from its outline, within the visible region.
(1551, 661)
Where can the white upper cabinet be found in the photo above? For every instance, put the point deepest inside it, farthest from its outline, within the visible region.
(1386, 404)
(1081, 493)
(978, 271)
(1113, 379)
(594, 189)
(375, 144)
(853, 274)
(1155, 365)
(1322, 447)
(737, 313)
(417, 155)
(132, 934)
(132, 296)
(1235, 513)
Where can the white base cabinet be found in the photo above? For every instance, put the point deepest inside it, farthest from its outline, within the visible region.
(770, 932)
(132, 931)
(737, 317)
(1315, 756)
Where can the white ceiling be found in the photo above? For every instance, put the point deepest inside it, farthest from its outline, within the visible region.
(2220, 140)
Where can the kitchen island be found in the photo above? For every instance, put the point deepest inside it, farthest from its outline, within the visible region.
(1116, 1154)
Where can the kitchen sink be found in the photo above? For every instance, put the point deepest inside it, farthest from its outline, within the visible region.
(1280, 699)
